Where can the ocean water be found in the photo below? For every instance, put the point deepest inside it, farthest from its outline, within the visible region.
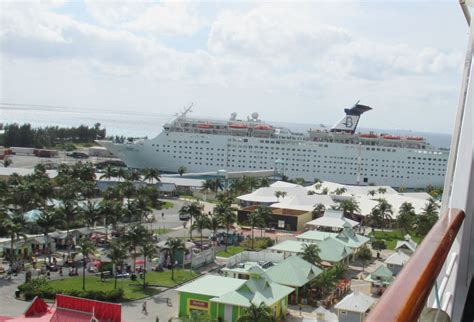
(146, 124)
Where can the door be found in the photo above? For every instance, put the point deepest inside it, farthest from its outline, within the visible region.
(228, 313)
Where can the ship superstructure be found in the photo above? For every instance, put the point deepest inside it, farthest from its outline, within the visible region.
(339, 154)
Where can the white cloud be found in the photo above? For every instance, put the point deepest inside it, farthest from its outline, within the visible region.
(163, 18)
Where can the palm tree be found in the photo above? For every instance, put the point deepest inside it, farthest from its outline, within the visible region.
(381, 190)
(311, 254)
(365, 255)
(150, 174)
(340, 191)
(13, 225)
(47, 221)
(279, 194)
(194, 210)
(133, 175)
(325, 191)
(109, 172)
(264, 182)
(225, 215)
(318, 210)
(265, 213)
(181, 170)
(135, 236)
(202, 222)
(127, 189)
(384, 211)
(91, 213)
(214, 222)
(117, 252)
(121, 173)
(111, 212)
(148, 251)
(86, 248)
(375, 218)
(372, 193)
(7, 162)
(255, 220)
(254, 313)
(143, 207)
(349, 207)
(428, 217)
(174, 245)
(406, 217)
(67, 212)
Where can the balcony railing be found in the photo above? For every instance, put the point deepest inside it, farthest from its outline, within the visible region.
(406, 298)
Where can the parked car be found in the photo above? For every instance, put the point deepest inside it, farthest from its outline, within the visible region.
(77, 155)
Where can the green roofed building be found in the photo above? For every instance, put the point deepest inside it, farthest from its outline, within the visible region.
(226, 298)
(294, 272)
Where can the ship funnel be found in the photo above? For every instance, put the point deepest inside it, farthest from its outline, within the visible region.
(348, 123)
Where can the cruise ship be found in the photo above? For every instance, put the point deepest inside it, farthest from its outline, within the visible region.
(339, 154)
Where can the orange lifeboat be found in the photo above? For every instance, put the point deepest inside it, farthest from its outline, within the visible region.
(238, 126)
(415, 138)
(368, 136)
(205, 126)
(392, 137)
(263, 127)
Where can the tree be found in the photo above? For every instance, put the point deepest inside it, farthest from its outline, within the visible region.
(150, 174)
(381, 190)
(311, 254)
(255, 219)
(365, 255)
(280, 194)
(117, 252)
(148, 251)
(13, 225)
(47, 221)
(109, 172)
(254, 313)
(7, 162)
(91, 213)
(202, 222)
(372, 193)
(174, 245)
(427, 218)
(194, 210)
(318, 210)
(111, 212)
(325, 191)
(385, 212)
(225, 215)
(406, 217)
(86, 248)
(135, 236)
(181, 170)
(349, 207)
(340, 191)
(67, 212)
(379, 245)
(265, 213)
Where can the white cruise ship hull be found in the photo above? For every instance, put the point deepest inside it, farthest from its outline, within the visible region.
(336, 162)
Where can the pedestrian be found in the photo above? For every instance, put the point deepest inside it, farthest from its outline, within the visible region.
(301, 313)
(162, 215)
(49, 275)
(144, 310)
(61, 271)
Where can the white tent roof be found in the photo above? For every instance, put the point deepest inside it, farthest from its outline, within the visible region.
(355, 302)
(399, 258)
(351, 190)
(267, 194)
(332, 218)
(283, 184)
(304, 202)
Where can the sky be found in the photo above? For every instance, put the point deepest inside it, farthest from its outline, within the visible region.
(291, 61)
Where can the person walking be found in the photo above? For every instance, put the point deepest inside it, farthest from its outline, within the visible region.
(144, 310)
(162, 215)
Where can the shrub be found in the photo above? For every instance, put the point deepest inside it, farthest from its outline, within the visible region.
(259, 243)
(106, 266)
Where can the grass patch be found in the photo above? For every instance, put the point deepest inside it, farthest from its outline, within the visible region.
(167, 205)
(391, 237)
(132, 290)
(162, 230)
(231, 251)
(164, 278)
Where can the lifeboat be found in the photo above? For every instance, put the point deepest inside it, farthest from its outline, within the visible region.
(368, 136)
(263, 127)
(415, 138)
(205, 126)
(238, 126)
(392, 137)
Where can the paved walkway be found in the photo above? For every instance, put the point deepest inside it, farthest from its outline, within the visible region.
(9, 305)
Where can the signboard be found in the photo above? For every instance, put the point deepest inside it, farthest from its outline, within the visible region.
(281, 224)
(196, 304)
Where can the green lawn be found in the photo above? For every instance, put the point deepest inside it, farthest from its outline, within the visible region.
(167, 205)
(162, 230)
(132, 290)
(391, 237)
(231, 251)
